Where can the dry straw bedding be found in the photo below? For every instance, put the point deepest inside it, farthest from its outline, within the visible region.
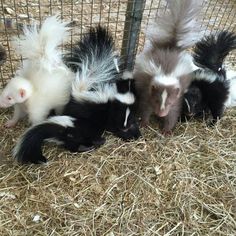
(183, 184)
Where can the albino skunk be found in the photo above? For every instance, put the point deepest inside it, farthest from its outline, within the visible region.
(209, 91)
(100, 100)
(44, 82)
(161, 70)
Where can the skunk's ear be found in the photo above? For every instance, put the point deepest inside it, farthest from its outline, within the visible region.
(22, 93)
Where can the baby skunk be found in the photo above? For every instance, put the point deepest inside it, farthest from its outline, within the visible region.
(100, 101)
(44, 81)
(161, 70)
(210, 87)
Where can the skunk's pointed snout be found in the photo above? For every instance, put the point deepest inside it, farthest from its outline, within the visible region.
(132, 132)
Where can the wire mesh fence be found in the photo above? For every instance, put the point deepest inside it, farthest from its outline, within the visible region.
(126, 19)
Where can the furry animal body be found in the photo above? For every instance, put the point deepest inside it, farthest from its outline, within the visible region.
(162, 70)
(210, 88)
(44, 81)
(101, 100)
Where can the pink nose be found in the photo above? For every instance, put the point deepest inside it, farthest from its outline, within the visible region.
(162, 113)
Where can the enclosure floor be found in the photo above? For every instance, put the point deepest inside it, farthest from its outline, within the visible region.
(183, 184)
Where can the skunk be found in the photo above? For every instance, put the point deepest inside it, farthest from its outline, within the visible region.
(101, 100)
(162, 69)
(44, 81)
(209, 91)
(3, 55)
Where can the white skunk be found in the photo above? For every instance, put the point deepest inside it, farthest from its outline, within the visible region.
(43, 83)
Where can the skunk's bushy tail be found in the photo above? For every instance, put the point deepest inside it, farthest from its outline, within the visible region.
(29, 147)
(93, 58)
(95, 63)
(211, 51)
(177, 27)
(42, 43)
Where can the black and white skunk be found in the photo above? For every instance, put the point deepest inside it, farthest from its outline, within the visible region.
(209, 90)
(101, 100)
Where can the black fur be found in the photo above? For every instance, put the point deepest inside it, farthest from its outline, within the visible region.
(206, 96)
(211, 51)
(91, 119)
(100, 43)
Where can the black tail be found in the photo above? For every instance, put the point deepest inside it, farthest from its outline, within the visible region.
(29, 147)
(211, 51)
(96, 47)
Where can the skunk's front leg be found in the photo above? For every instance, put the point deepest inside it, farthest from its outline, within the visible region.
(19, 113)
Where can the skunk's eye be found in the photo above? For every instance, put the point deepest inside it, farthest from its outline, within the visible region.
(219, 69)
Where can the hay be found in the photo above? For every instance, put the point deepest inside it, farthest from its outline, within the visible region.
(178, 185)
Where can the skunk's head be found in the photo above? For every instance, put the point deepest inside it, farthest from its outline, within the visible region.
(192, 102)
(122, 120)
(211, 51)
(163, 97)
(18, 90)
(122, 113)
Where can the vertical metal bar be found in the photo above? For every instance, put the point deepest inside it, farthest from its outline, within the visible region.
(132, 27)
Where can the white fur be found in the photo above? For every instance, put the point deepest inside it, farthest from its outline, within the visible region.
(230, 74)
(185, 66)
(100, 94)
(206, 75)
(44, 69)
(90, 82)
(127, 113)
(127, 75)
(166, 80)
(65, 121)
(187, 103)
(11, 93)
(179, 18)
(42, 44)
(164, 96)
(126, 98)
(231, 102)
(116, 64)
